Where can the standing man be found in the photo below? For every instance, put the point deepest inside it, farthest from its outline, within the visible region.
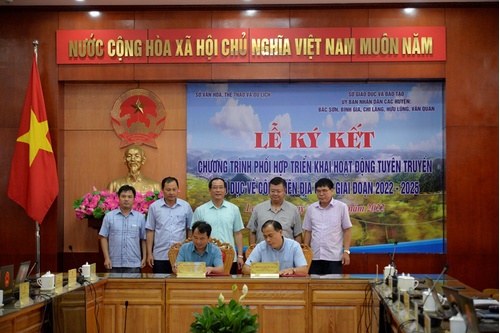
(200, 249)
(123, 235)
(328, 231)
(277, 209)
(225, 219)
(168, 222)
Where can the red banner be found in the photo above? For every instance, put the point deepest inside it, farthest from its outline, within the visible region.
(401, 44)
(300, 45)
(287, 45)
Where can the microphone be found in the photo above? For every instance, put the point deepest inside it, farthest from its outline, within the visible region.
(80, 279)
(392, 275)
(393, 264)
(31, 270)
(125, 323)
(445, 268)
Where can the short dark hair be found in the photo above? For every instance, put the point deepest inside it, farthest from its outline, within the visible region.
(216, 178)
(169, 180)
(126, 188)
(323, 182)
(278, 181)
(203, 227)
(276, 225)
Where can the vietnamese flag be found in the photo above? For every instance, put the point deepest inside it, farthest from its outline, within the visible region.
(33, 181)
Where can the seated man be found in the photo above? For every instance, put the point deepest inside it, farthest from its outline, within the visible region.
(274, 248)
(200, 249)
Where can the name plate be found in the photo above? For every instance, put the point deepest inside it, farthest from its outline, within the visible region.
(93, 273)
(59, 283)
(265, 270)
(191, 269)
(72, 279)
(24, 294)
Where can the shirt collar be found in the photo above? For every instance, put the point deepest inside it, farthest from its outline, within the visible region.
(195, 251)
(175, 204)
(215, 207)
(282, 245)
(331, 204)
(121, 213)
(270, 206)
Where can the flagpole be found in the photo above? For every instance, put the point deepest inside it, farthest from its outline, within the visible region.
(37, 231)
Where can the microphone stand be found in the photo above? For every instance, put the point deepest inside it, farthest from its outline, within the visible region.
(394, 276)
(80, 278)
(445, 268)
(435, 321)
(31, 270)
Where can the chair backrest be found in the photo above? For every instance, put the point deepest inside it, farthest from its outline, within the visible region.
(491, 292)
(249, 250)
(306, 249)
(173, 252)
(226, 249)
(228, 254)
(308, 253)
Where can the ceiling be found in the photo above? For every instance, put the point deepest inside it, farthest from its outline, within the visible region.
(246, 3)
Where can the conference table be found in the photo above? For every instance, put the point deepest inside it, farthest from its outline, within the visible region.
(164, 303)
(69, 309)
(395, 316)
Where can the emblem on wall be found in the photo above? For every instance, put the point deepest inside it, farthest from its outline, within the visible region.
(138, 117)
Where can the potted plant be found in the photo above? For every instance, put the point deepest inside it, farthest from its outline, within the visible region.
(232, 317)
(94, 205)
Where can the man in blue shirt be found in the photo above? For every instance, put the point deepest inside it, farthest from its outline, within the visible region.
(123, 235)
(168, 222)
(276, 248)
(200, 249)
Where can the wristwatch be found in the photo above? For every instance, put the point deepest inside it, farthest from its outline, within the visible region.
(347, 251)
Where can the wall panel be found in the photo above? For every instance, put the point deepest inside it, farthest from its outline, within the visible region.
(397, 17)
(93, 154)
(173, 19)
(472, 68)
(79, 99)
(472, 145)
(17, 33)
(329, 18)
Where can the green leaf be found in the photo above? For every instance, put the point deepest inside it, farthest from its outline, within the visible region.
(230, 318)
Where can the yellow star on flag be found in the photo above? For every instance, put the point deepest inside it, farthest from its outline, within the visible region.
(36, 137)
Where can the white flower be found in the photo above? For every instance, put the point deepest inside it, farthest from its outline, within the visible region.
(221, 298)
(244, 290)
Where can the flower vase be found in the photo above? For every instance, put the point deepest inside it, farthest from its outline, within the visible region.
(94, 223)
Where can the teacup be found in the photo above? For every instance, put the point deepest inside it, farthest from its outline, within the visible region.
(85, 270)
(389, 270)
(407, 282)
(429, 303)
(46, 282)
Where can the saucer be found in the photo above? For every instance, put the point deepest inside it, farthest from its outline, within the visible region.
(47, 290)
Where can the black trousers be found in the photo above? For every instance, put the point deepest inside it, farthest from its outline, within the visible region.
(162, 267)
(321, 267)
